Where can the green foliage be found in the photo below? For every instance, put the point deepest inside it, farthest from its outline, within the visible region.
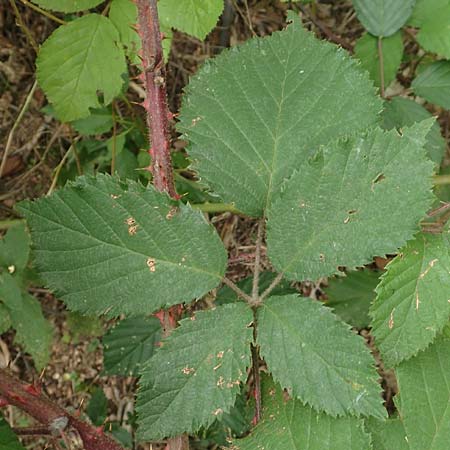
(78, 60)
(67, 6)
(97, 408)
(290, 425)
(433, 83)
(412, 299)
(387, 435)
(130, 344)
(333, 210)
(366, 50)
(424, 386)
(99, 121)
(401, 112)
(333, 371)
(8, 440)
(255, 113)
(383, 17)
(141, 240)
(196, 374)
(81, 326)
(350, 296)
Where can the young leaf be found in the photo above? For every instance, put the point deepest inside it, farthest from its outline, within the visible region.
(8, 440)
(412, 304)
(333, 210)
(67, 6)
(15, 249)
(289, 425)
(253, 114)
(433, 83)
(350, 296)
(317, 357)
(196, 374)
(78, 60)
(424, 385)
(130, 344)
(366, 50)
(383, 17)
(118, 248)
(195, 17)
(387, 435)
(401, 112)
(97, 408)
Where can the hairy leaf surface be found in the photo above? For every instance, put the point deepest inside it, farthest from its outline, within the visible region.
(67, 6)
(78, 60)
(317, 357)
(383, 17)
(130, 344)
(196, 374)
(424, 386)
(333, 210)
(290, 425)
(433, 83)
(412, 304)
(15, 249)
(253, 114)
(387, 435)
(107, 247)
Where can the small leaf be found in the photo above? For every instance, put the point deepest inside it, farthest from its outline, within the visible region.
(196, 374)
(195, 17)
(8, 440)
(97, 408)
(130, 344)
(401, 112)
(383, 17)
(78, 60)
(67, 6)
(98, 122)
(387, 435)
(10, 292)
(330, 370)
(256, 112)
(333, 210)
(289, 425)
(113, 243)
(433, 83)
(366, 50)
(15, 249)
(412, 304)
(424, 386)
(350, 296)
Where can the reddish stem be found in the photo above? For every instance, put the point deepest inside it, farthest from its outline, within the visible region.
(49, 414)
(155, 104)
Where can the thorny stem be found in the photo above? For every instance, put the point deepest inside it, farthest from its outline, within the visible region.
(256, 376)
(381, 61)
(30, 400)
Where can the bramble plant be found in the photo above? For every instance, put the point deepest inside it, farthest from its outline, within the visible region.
(287, 129)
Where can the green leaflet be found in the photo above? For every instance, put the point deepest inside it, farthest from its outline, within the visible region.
(383, 17)
(130, 344)
(97, 408)
(424, 386)
(8, 440)
(333, 210)
(67, 6)
(289, 425)
(196, 374)
(366, 50)
(433, 83)
(387, 435)
(5, 320)
(317, 357)
(78, 60)
(426, 10)
(195, 17)
(98, 122)
(122, 248)
(256, 112)
(400, 112)
(350, 296)
(412, 304)
(15, 249)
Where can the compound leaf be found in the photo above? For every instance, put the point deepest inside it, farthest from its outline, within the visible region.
(78, 60)
(67, 6)
(401, 112)
(433, 83)
(196, 374)
(290, 425)
(110, 247)
(333, 210)
(412, 304)
(195, 17)
(330, 370)
(130, 344)
(424, 386)
(8, 440)
(253, 114)
(383, 17)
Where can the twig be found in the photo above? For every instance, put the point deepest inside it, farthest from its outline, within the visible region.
(381, 61)
(238, 290)
(23, 26)
(15, 125)
(271, 287)
(43, 12)
(256, 377)
(439, 210)
(32, 431)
